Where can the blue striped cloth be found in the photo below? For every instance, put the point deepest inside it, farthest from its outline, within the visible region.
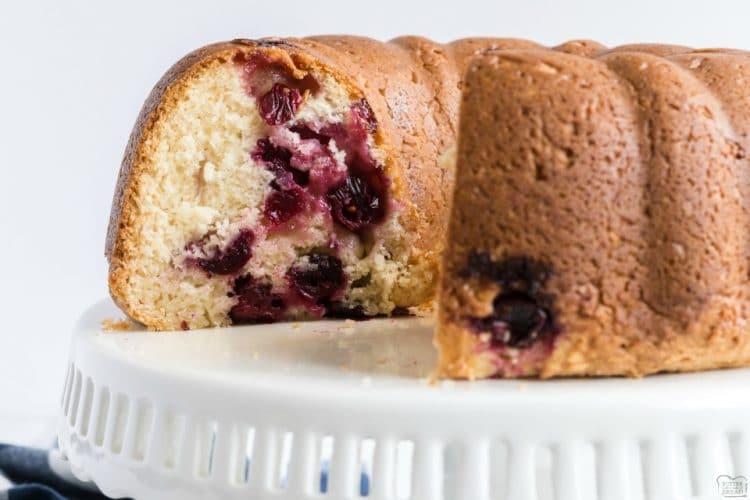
(36, 474)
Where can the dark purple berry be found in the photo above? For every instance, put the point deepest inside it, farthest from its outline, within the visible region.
(282, 206)
(255, 302)
(319, 279)
(355, 204)
(279, 105)
(278, 160)
(232, 258)
(516, 321)
(522, 310)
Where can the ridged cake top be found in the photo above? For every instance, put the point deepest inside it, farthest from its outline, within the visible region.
(624, 170)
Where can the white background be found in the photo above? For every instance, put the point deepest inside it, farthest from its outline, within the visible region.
(74, 74)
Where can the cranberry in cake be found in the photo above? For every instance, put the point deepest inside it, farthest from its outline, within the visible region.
(522, 313)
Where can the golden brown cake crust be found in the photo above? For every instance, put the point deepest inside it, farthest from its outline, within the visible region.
(625, 171)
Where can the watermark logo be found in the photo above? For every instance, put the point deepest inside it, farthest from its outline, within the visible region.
(732, 487)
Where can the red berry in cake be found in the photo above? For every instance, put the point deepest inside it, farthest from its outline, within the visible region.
(362, 110)
(318, 278)
(281, 206)
(232, 258)
(275, 157)
(355, 204)
(350, 136)
(279, 105)
(255, 302)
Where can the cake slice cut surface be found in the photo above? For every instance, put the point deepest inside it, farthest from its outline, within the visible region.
(261, 193)
(285, 179)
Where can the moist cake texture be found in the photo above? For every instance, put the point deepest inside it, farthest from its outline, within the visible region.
(288, 179)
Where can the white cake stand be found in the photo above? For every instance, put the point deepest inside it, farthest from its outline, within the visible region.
(340, 410)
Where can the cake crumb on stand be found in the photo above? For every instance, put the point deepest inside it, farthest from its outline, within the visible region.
(117, 325)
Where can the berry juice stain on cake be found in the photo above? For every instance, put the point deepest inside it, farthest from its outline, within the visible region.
(279, 105)
(256, 302)
(224, 261)
(327, 196)
(522, 317)
(318, 278)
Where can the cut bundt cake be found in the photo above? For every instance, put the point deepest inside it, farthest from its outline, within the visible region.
(596, 224)
(288, 178)
(599, 224)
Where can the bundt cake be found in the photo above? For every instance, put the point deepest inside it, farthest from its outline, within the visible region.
(596, 224)
(288, 178)
(599, 224)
